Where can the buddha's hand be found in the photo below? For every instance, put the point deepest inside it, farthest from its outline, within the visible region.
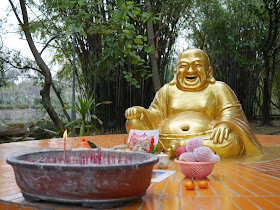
(133, 113)
(220, 133)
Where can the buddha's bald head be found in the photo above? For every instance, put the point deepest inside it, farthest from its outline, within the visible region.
(194, 54)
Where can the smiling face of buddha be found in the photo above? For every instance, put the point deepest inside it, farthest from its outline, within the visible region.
(193, 70)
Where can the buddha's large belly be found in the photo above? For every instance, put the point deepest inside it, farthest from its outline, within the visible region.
(178, 129)
(187, 123)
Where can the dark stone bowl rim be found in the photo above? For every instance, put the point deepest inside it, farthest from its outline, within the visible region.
(14, 161)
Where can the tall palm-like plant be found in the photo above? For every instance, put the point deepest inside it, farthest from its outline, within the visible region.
(83, 107)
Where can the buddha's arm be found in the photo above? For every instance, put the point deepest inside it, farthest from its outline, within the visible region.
(228, 108)
(228, 105)
(156, 112)
(158, 109)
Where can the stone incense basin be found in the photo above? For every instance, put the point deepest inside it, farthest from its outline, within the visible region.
(94, 178)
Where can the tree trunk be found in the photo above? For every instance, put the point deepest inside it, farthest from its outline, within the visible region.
(61, 102)
(45, 71)
(266, 106)
(154, 66)
(272, 8)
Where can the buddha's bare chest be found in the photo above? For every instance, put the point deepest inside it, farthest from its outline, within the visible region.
(203, 101)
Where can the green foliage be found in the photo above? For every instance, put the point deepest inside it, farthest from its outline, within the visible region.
(83, 107)
(39, 106)
(112, 50)
(92, 144)
(22, 106)
(117, 27)
(110, 40)
(111, 47)
(6, 106)
(232, 33)
(129, 78)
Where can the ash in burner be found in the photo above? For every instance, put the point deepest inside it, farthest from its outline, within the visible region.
(88, 157)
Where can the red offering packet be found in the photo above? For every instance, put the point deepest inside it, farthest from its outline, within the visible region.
(141, 143)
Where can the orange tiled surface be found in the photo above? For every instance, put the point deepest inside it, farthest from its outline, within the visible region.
(231, 186)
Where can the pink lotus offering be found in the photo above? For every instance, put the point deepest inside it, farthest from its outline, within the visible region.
(188, 157)
(198, 161)
(194, 143)
(196, 152)
(205, 154)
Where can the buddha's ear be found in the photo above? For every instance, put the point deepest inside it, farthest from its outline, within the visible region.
(173, 81)
(210, 73)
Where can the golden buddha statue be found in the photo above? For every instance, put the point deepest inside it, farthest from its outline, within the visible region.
(195, 104)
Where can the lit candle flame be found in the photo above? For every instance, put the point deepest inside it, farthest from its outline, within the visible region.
(65, 134)
(64, 138)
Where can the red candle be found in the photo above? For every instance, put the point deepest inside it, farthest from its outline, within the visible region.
(124, 141)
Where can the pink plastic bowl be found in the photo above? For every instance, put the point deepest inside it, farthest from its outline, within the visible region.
(195, 169)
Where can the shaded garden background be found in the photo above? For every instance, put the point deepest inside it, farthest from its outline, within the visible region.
(126, 50)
